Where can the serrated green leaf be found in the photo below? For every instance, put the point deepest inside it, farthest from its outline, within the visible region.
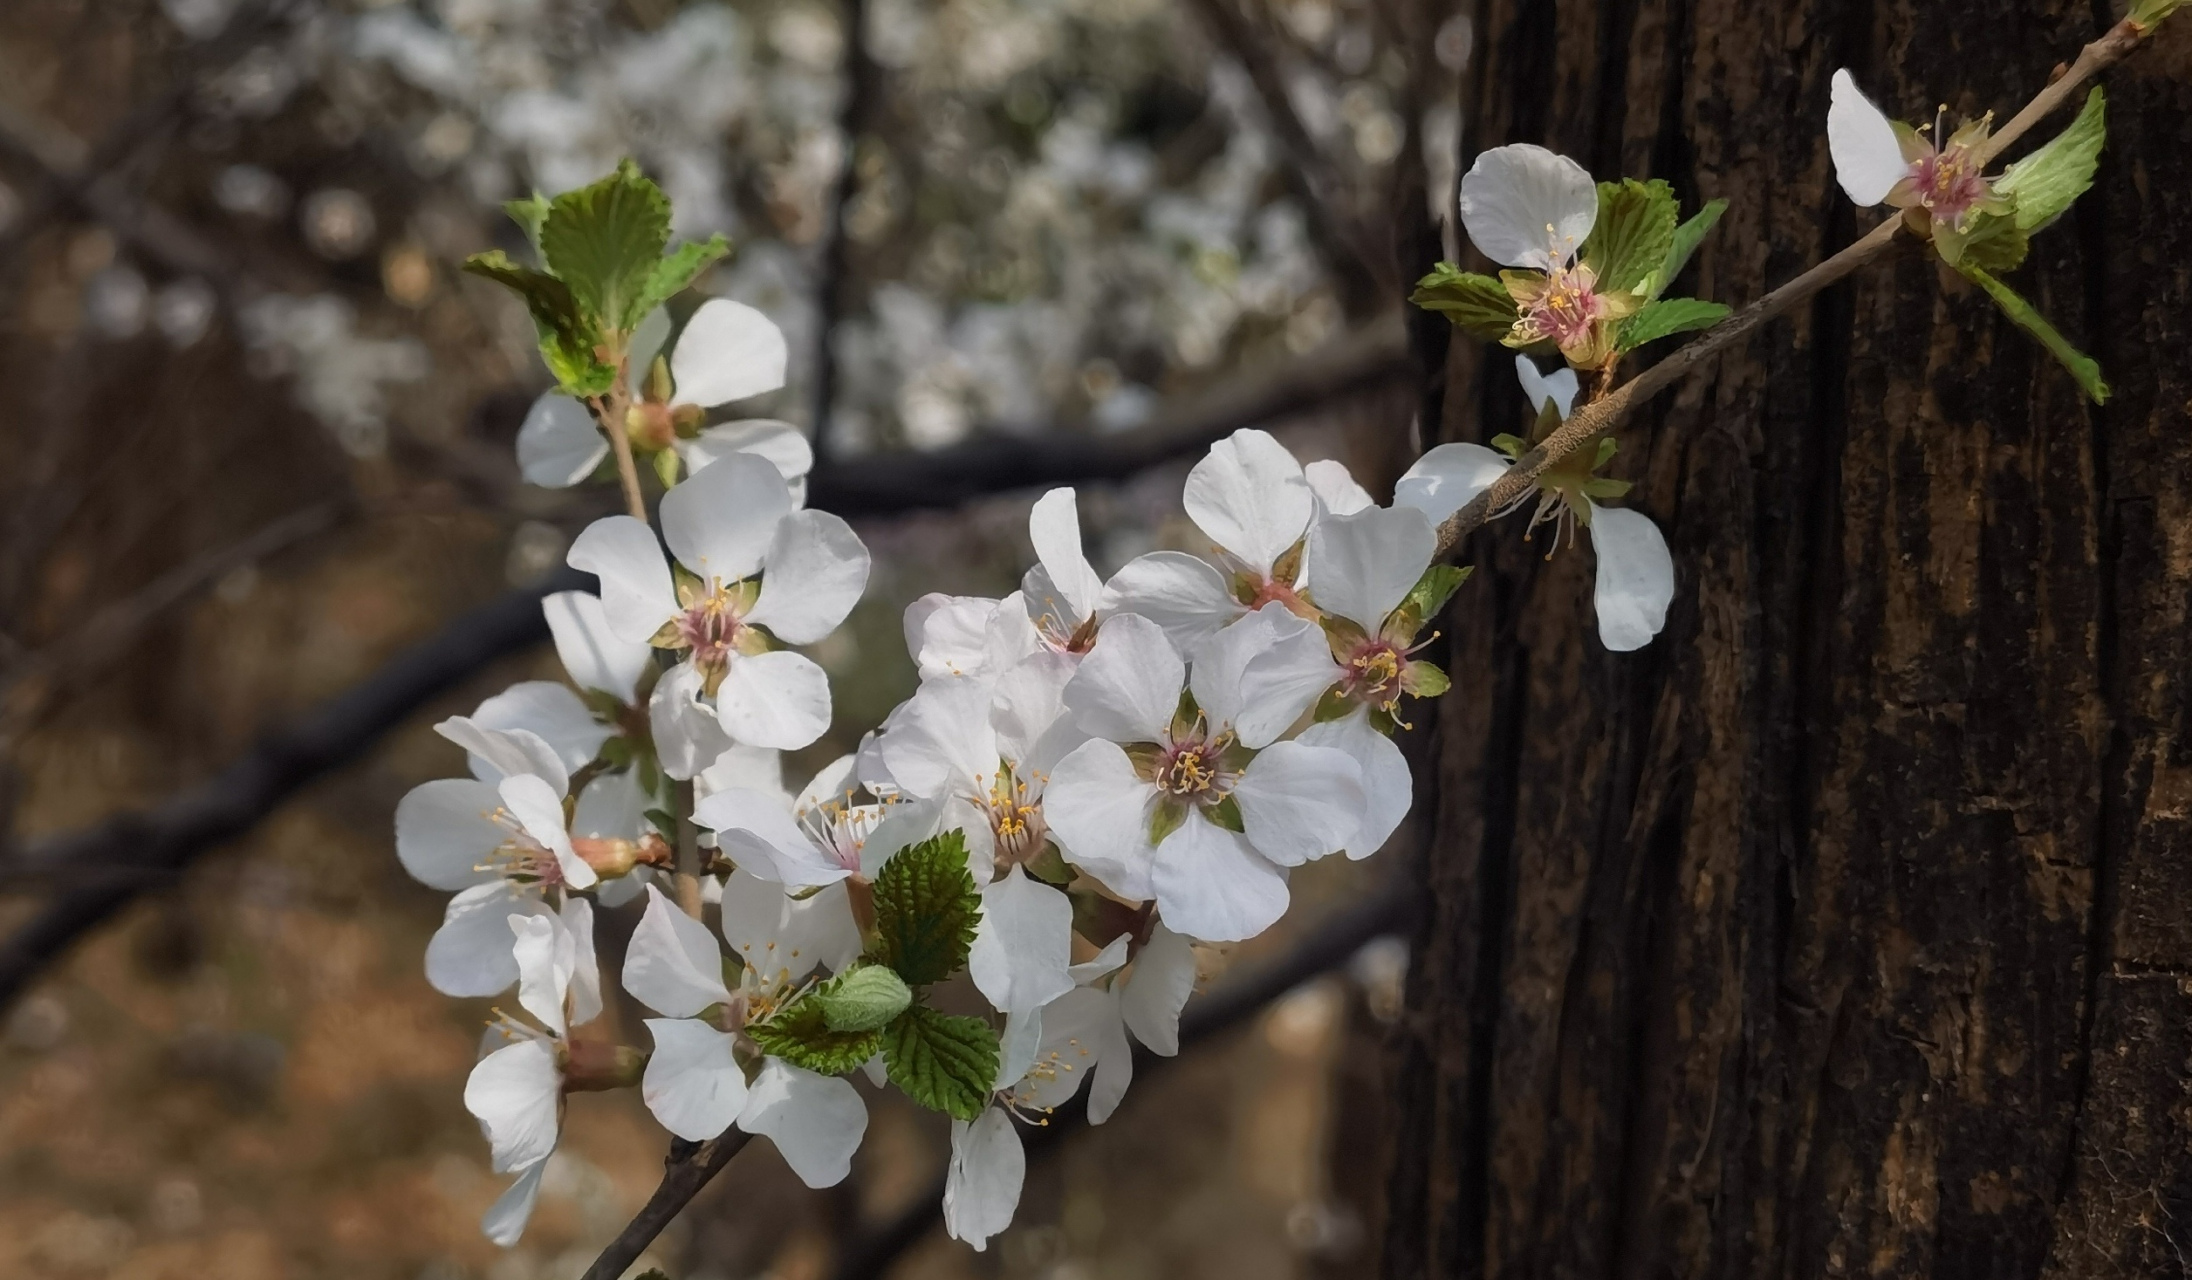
(1995, 243)
(863, 998)
(568, 338)
(2046, 182)
(801, 1035)
(926, 909)
(2080, 365)
(1686, 239)
(1634, 232)
(673, 273)
(1477, 304)
(1667, 317)
(528, 213)
(944, 1063)
(605, 241)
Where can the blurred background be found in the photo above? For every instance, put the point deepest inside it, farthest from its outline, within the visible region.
(256, 442)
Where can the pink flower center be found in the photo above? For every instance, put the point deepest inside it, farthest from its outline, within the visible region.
(1568, 308)
(711, 629)
(1373, 673)
(1948, 183)
(1194, 770)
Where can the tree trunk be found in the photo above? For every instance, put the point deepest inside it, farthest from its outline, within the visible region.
(1848, 927)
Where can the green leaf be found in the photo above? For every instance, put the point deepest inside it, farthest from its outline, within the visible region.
(801, 1035)
(1686, 239)
(2080, 365)
(1634, 232)
(606, 242)
(2045, 182)
(926, 908)
(944, 1063)
(1513, 446)
(1424, 600)
(2146, 13)
(528, 213)
(1478, 305)
(1995, 243)
(1667, 317)
(672, 274)
(568, 337)
(863, 998)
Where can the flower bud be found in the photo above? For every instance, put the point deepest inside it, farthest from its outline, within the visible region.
(613, 857)
(595, 1066)
(649, 426)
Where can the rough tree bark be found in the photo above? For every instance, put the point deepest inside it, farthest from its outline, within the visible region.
(1847, 928)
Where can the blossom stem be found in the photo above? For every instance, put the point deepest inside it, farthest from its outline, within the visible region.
(609, 411)
(1603, 414)
(688, 853)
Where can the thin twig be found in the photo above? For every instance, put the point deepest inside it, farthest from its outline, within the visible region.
(1604, 414)
(862, 87)
(689, 1168)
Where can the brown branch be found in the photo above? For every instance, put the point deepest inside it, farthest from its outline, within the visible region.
(1603, 415)
(689, 1168)
(863, 86)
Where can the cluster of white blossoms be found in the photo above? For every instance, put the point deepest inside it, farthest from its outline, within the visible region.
(1092, 776)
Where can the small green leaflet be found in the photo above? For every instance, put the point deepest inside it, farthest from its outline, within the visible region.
(2080, 365)
(1634, 233)
(2045, 182)
(802, 1036)
(1996, 243)
(568, 338)
(2146, 13)
(673, 273)
(1478, 305)
(1424, 600)
(1426, 680)
(863, 998)
(1686, 239)
(944, 1063)
(926, 908)
(606, 241)
(528, 213)
(1667, 317)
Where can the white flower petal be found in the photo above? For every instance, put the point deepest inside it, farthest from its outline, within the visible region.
(674, 965)
(688, 735)
(559, 445)
(550, 710)
(949, 635)
(515, 1092)
(1387, 786)
(636, 593)
(592, 654)
(1558, 390)
(1105, 961)
(944, 743)
(1249, 496)
(1054, 525)
(612, 807)
(778, 935)
(906, 823)
(1635, 577)
(1129, 685)
(832, 784)
(1211, 884)
(752, 768)
(647, 340)
(445, 829)
(728, 351)
(988, 1166)
(1260, 674)
(817, 569)
(1099, 810)
(1017, 1048)
(719, 522)
(469, 956)
(505, 1219)
(1335, 488)
(779, 699)
(815, 1121)
(1300, 802)
(1027, 712)
(784, 445)
(546, 963)
(1527, 207)
(1362, 566)
(758, 833)
(1157, 989)
(1184, 595)
(538, 808)
(1023, 944)
(693, 1083)
(1077, 1029)
(584, 1000)
(1114, 1068)
(1447, 478)
(1868, 157)
(501, 753)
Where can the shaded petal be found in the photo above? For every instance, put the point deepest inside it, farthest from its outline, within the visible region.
(1184, 595)
(778, 935)
(501, 753)
(909, 822)
(1249, 496)
(1362, 566)
(613, 806)
(1077, 1027)
(674, 965)
(693, 1083)
(784, 445)
(815, 1121)
(761, 836)
(1162, 979)
(546, 962)
(1260, 674)
(1300, 802)
(720, 521)
(688, 736)
(538, 808)
(559, 445)
(1387, 786)
(445, 830)
(1016, 1049)
(728, 351)
(779, 699)
(1635, 577)
(550, 710)
(1336, 492)
(469, 955)
(592, 654)
(1023, 944)
(753, 768)
(1099, 810)
(817, 569)
(949, 635)
(1524, 206)
(1027, 712)
(584, 1000)
(1105, 961)
(514, 1093)
(982, 1189)
(505, 1219)
(1558, 390)
(1447, 478)
(1211, 884)
(1129, 685)
(1114, 1069)
(1868, 157)
(1054, 525)
(636, 593)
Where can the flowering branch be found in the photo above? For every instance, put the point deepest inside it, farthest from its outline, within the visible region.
(1594, 419)
(690, 1167)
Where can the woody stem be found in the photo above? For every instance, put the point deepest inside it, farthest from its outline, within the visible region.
(609, 411)
(688, 853)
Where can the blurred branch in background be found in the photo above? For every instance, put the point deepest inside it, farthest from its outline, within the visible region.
(862, 90)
